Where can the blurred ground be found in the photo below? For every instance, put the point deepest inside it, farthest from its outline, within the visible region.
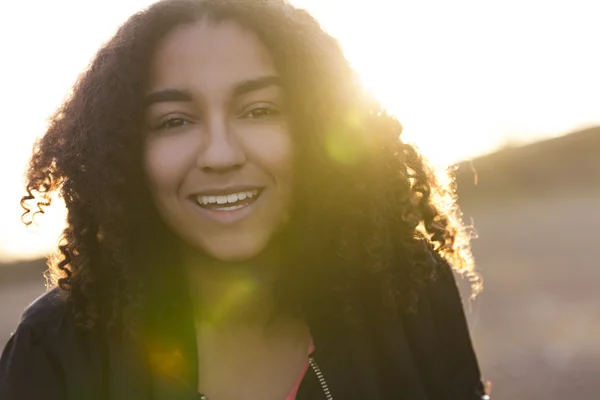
(536, 326)
(536, 208)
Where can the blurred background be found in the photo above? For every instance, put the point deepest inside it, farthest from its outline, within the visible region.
(508, 91)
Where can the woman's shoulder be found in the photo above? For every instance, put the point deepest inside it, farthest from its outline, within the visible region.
(46, 314)
(49, 355)
(43, 329)
(439, 314)
(29, 365)
(46, 330)
(440, 340)
(48, 307)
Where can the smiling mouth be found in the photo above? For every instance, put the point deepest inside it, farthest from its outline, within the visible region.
(228, 201)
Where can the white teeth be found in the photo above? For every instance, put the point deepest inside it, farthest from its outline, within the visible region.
(230, 198)
(231, 208)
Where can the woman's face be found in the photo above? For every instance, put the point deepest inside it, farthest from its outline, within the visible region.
(218, 154)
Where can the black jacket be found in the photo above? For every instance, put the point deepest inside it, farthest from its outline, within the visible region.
(422, 356)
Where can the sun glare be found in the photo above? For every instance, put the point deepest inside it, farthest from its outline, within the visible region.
(463, 77)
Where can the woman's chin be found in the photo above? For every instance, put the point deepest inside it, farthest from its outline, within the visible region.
(239, 247)
(238, 252)
(234, 256)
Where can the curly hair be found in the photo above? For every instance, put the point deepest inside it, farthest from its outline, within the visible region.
(374, 221)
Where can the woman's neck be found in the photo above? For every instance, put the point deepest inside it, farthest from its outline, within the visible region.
(229, 295)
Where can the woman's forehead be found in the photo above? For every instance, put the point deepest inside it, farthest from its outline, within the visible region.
(209, 55)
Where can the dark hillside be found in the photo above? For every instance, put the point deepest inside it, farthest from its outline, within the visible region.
(561, 164)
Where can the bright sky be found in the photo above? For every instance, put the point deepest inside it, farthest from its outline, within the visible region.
(463, 75)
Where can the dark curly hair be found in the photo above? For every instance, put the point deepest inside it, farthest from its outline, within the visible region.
(373, 223)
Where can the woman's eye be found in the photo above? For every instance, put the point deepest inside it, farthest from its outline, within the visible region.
(173, 123)
(261, 112)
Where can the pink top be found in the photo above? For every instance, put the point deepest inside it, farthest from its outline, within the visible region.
(294, 391)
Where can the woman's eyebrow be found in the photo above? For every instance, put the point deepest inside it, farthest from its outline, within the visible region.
(241, 88)
(252, 85)
(167, 95)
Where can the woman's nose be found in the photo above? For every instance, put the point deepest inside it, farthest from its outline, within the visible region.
(222, 151)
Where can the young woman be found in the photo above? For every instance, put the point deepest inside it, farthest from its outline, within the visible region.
(244, 222)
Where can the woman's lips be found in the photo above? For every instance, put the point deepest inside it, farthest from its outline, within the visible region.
(226, 207)
(227, 201)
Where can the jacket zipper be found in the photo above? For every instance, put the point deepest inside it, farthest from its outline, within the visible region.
(320, 377)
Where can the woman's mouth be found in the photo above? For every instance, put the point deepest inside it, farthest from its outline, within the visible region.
(228, 201)
(229, 205)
